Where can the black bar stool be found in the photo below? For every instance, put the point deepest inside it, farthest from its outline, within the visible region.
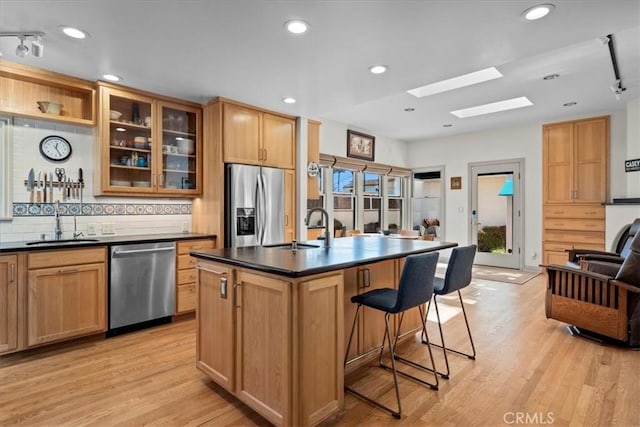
(458, 276)
(414, 290)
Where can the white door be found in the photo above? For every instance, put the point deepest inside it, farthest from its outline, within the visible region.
(496, 213)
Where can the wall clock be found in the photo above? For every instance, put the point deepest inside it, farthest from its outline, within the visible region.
(55, 148)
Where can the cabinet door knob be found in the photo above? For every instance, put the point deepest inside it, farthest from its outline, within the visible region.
(12, 273)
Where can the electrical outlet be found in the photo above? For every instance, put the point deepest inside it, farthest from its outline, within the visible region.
(107, 228)
(92, 229)
(185, 227)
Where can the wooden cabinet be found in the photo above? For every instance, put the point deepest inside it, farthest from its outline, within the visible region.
(67, 294)
(289, 205)
(575, 158)
(186, 273)
(275, 343)
(23, 87)
(575, 161)
(256, 137)
(8, 303)
(313, 155)
(215, 324)
(150, 146)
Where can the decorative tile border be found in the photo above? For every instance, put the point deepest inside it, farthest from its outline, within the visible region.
(99, 209)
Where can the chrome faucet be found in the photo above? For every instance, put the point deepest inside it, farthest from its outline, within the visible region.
(327, 232)
(75, 229)
(57, 226)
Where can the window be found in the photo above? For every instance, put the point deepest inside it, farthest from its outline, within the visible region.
(372, 202)
(5, 170)
(395, 201)
(343, 201)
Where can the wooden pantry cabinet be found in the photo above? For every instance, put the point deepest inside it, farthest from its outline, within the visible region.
(66, 294)
(575, 159)
(256, 137)
(313, 155)
(186, 273)
(150, 145)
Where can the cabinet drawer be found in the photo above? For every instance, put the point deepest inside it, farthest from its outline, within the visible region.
(186, 276)
(186, 298)
(186, 246)
(575, 237)
(62, 257)
(561, 247)
(576, 211)
(186, 261)
(553, 257)
(574, 224)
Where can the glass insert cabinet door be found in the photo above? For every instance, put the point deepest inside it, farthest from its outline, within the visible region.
(180, 145)
(130, 139)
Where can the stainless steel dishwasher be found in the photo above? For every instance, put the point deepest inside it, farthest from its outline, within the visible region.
(141, 285)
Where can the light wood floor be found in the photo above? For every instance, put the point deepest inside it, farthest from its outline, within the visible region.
(526, 364)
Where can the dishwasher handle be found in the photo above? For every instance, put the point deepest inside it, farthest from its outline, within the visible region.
(142, 251)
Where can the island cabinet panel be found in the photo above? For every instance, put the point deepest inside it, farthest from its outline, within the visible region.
(8, 303)
(215, 324)
(264, 352)
(322, 350)
(186, 273)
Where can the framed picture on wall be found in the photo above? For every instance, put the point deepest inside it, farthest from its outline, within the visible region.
(360, 146)
(456, 182)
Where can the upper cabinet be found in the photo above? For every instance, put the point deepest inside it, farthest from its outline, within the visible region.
(256, 137)
(149, 145)
(575, 160)
(40, 94)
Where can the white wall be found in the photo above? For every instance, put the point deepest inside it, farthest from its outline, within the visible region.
(333, 140)
(524, 141)
(633, 146)
(26, 137)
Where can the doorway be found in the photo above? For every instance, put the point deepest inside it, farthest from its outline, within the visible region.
(427, 201)
(496, 212)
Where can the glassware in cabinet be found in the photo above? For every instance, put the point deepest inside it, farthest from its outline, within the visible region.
(179, 148)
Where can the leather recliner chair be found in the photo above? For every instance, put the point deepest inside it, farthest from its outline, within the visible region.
(576, 256)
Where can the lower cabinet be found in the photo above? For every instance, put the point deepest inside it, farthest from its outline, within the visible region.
(8, 303)
(273, 342)
(66, 294)
(186, 273)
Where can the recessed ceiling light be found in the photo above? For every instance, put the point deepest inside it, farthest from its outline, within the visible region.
(289, 100)
(537, 12)
(456, 82)
(409, 109)
(569, 104)
(111, 77)
(74, 32)
(447, 125)
(494, 107)
(378, 69)
(551, 76)
(296, 26)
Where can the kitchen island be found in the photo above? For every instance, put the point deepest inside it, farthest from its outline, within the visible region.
(271, 320)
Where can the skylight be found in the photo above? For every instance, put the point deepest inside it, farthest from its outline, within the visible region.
(494, 107)
(456, 82)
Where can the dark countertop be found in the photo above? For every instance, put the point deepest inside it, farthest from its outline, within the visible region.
(101, 241)
(345, 252)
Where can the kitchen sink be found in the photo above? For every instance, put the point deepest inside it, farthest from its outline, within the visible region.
(290, 246)
(60, 242)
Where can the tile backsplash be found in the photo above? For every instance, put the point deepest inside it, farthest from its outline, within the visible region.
(97, 214)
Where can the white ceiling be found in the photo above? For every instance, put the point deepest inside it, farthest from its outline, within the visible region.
(198, 49)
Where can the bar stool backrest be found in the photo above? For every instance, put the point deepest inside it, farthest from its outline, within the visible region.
(416, 281)
(459, 270)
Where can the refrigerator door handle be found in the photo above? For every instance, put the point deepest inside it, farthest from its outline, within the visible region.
(263, 208)
(258, 213)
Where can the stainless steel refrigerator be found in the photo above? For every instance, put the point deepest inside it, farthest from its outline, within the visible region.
(254, 205)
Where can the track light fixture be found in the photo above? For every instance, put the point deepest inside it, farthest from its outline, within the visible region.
(37, 47)
(617, 87)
